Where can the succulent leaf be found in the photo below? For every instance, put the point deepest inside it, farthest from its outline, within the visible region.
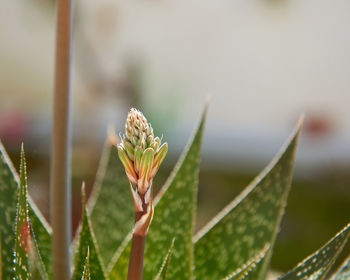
(86, 272)
(243, 271)
(163, 272)
(249, 222)
(27, 263)
(110, 204)
(9, 185)
(316, 266)
(87, 243)
(23, 236)
(343, 272)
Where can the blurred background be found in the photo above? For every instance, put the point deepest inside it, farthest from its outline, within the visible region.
(262, 63)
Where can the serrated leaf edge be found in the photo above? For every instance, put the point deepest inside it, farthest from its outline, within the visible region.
(29, 199)
(226, 210)
(341, 268)
(321, 276)
(166, 262)
(242, 271)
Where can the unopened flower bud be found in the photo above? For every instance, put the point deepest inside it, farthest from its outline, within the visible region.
(140, 152)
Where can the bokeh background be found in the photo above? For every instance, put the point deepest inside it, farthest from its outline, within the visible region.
(261, 62)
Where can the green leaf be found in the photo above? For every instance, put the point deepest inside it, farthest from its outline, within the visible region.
(110, 205)
(41, 232)
(9, 184)
(0, 258)
(243, 271)
(318, 264)
(36, 265)
(250, 221)
(23, 237)
(173, 218)
(343, 273)
(163, 272)
(86, 272)
(87, 242)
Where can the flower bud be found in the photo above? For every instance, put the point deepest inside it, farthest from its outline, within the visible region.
(140, 152)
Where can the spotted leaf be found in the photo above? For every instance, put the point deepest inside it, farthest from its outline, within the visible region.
(244, 271)
(23, 236)
(316, 266)
(110, 204)
(9, 185)
(250, 221)
(87, 243)
(343, 272)
(163, 272)
(86, 272)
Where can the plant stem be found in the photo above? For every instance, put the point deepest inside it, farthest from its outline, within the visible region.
(137, 246)
(60, 189)
(136, 257)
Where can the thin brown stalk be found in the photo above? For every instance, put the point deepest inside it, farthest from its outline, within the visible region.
(60, 145)
(136, 257)
(135, 268)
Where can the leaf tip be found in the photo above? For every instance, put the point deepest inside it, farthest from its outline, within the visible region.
(83, 196)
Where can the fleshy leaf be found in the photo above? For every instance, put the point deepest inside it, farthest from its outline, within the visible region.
(86, 273)
(110, 205)
(87, 243)
(173, 218)
(9, 184)
(0, 258)
(243, 271)
(344, 271)
(36, 265)
(250, 221)
(41, 232)
(23, 236)
(316, 266)
(163, 272)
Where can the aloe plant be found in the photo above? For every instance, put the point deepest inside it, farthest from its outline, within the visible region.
(236, 244)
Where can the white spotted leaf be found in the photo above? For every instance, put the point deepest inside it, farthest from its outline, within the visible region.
(9, 185)
(316, 266)
(86, 272)
(110, 204)
(25, 247)
(163, 272)
(173, 218)
(343, 272)
(250, 221)
(87, 244)
(244, 271)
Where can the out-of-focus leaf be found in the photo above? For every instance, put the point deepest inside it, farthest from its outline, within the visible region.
(0, 258)
(316, 266)
(23, 237)
(36, 265)
(9, 185)
(173, 218)
(86, 273)
(250, 221)
(87, 243)
(41, 231)
(242, 272)
(163, 272)
(344, 271)
(110, 205)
